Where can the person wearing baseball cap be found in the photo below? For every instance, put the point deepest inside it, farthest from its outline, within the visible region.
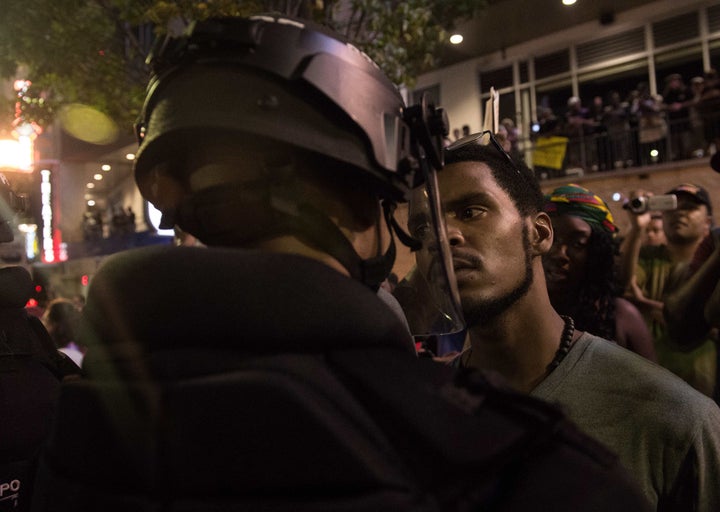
(696, 192)
(693, 310)
(653, 274)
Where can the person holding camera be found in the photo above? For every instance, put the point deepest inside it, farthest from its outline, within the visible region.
(651, 274)
(692, 312)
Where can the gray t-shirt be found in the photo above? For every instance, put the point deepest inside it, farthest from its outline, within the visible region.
(664, 431)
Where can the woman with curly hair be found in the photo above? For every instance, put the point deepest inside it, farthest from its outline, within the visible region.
(580, 270)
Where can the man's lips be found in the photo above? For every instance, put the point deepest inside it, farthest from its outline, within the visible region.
(463, 265)
(463, 261)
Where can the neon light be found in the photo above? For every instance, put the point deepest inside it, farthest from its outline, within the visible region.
(47, 216)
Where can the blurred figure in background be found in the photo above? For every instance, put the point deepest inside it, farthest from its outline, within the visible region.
(654, 233)
(652, 127)
(616, 120)
(677, 99)
(697, 139)
(692, 311)
(62, 321)
(651, 273)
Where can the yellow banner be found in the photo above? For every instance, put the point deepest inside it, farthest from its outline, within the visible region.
(550, 152)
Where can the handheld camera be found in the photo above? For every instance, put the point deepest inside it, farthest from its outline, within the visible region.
(652, 203)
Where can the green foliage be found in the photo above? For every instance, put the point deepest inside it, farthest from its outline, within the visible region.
(93, 51)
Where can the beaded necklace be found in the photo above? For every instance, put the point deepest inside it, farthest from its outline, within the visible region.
(565, 343)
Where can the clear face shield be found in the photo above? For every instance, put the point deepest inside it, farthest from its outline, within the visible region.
(428, 294)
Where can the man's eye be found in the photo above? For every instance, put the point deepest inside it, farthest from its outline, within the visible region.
(470, 212)
(420, 230)
(419, 226)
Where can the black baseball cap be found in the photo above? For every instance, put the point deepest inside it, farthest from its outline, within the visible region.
(698, 193)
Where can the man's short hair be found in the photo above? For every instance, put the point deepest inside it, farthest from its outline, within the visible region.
(523, 188)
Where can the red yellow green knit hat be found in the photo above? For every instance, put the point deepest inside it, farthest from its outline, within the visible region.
(579, 202)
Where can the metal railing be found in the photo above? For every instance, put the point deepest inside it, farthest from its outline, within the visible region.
(554, 155)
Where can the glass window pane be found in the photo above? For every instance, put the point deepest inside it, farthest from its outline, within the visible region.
(622, 79)
(685, 61)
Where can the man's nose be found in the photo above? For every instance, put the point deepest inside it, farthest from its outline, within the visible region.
(455, 236)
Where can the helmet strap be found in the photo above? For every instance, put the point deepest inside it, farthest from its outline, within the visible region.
(267, 208)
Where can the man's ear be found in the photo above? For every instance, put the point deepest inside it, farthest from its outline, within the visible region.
(541, 236)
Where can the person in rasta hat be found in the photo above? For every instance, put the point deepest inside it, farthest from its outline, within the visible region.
(580, 270)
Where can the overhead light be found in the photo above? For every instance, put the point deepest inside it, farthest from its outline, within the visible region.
(91, 203)
(105, 167)
(456, 38)
(130, 156)
(90, 185)
(97, 177)
(569, 2)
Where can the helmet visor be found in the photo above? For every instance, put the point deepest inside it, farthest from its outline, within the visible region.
(429, 294)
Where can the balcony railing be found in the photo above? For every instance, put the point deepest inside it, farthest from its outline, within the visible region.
(555, 155)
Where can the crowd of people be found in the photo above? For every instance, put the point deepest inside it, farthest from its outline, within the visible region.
(635, 128)
(269, 361)
(119, 222)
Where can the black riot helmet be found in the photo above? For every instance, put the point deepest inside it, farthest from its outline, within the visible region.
(280, 79)
(292, 84)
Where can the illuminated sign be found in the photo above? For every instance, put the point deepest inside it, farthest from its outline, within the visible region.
(48, 254)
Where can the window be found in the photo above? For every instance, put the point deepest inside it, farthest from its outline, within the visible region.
(608, 48)
(499, 79)
(622, 78)
(554, 96)
(686, 61)
(675, 30)
(552, 64)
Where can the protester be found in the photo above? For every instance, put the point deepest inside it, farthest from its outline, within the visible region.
(263, 371)
(650, 274)
(652, 126)
(580, 270)
(692, 311)
(677, 98)
(654, 233)
(498, 234)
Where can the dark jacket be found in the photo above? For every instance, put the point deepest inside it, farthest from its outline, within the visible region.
(222, 379)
